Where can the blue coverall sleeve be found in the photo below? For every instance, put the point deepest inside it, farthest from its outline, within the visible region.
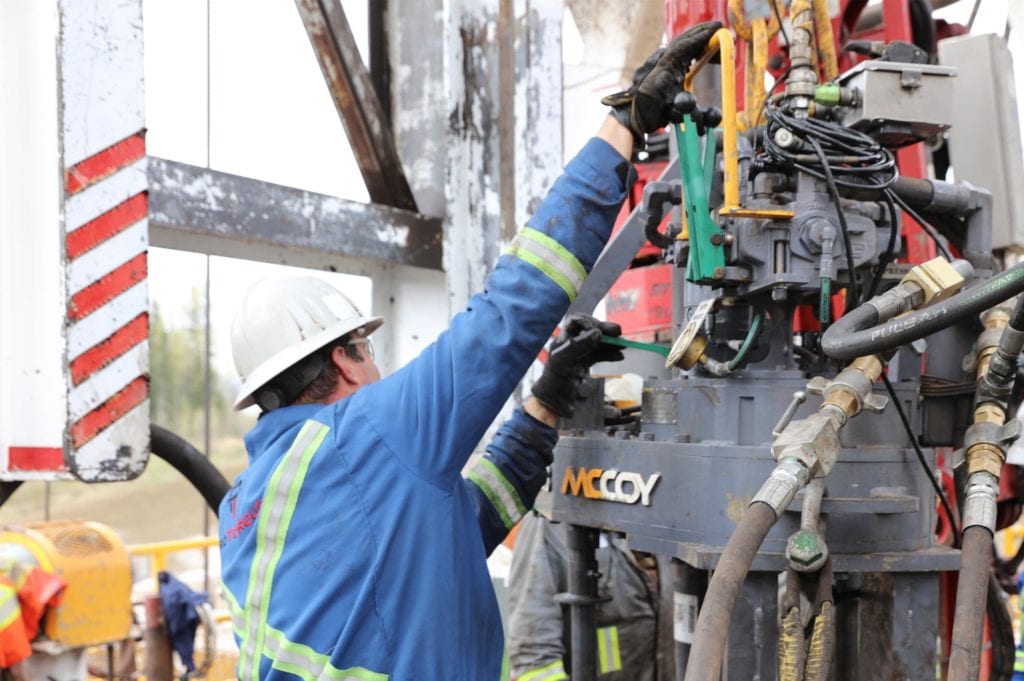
(504, 483)
(432, 413)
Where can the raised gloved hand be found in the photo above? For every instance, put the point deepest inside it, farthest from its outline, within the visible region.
(572, 354)
(645, 107)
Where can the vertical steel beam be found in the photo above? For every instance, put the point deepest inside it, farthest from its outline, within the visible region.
(360, 110)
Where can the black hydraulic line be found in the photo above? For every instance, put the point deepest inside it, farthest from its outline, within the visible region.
(971, 596)
(689, 584)
(890, 248)
(854, 336)
(191, 463)
(925, 225)
(582, 599)
(652, 210)
(709, 640)
(921, 459)
(844, 229)
(7, 488)
(1000, 632)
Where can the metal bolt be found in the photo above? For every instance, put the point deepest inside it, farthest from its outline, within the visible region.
(719, 273)
(729, 238)
(806, 551)
(744, 274)
(779, 294)
(717, 238)
(784, 138)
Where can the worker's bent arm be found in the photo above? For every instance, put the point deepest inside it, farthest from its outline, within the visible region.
(504, 483)
(432, 413)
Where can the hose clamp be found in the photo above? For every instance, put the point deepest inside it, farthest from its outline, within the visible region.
(995, 434)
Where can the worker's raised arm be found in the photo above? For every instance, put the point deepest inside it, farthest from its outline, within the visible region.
(433, 412)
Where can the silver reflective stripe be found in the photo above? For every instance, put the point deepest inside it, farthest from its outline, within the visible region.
(275, 514)
(10, 608)
(499, 491)
(309, 665)
(608, 650)
(553, 259)
(237, 616)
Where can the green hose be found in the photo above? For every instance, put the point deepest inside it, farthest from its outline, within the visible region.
(626, 343)
(825, 305)
(755, 326)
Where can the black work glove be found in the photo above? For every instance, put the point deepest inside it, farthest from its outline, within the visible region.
(572, 354)
(646, 106)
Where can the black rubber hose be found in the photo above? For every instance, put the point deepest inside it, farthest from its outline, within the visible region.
(709, 640)
(853, 336)
(191, 463)
(971, 596)
(1001, 632)
(7, 488)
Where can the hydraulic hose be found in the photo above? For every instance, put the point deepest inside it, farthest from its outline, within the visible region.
(191, 463)
(971, 595)
(855, 334)
(709, 640)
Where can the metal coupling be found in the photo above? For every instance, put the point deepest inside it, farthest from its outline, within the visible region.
(901, 298)
(852, 391)
(938, 278)
(714, 367)
(813, 441)
(782, 485)
(980, 496)
(988, 438)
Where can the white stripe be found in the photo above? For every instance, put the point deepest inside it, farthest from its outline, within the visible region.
(97, 199)
(492, 482)
(106, 382)
(93, 458)
(105, 320)
(107, 256)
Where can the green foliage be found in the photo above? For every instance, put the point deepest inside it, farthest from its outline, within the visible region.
(177, 381)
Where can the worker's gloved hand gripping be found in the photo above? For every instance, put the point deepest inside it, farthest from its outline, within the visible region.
(645, 107)
(572, 354)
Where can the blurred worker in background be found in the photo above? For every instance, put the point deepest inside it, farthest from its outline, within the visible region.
(352, 547)
(628, 633)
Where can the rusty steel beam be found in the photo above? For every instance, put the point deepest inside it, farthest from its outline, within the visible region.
(361, 112)
(197, 209)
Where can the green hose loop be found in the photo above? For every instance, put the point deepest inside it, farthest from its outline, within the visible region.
(755, 326)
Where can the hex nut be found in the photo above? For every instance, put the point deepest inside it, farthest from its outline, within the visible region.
(937, 278)
(806, 551)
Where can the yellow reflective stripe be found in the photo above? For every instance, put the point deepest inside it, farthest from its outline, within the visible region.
(499, 491)
(1018, 661)
(10, 608)
(551, 258)
(552, 672)
(275, 516)
(608, 656)
(237, 616)
(309, 665)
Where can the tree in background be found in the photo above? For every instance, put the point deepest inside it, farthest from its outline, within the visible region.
(177, 389)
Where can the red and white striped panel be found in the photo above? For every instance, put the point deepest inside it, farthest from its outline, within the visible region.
(106, 242)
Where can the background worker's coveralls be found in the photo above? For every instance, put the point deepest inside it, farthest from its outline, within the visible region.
(367, 560)
(538, 627)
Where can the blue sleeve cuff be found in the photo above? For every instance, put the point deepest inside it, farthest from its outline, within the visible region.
(600, 163)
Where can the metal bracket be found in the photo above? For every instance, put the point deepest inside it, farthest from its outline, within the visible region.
(1001, 436)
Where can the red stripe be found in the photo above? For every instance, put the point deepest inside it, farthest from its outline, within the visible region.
(107, 288)
(35, 459)
(98, 356)
(104, 163)
(131, 396)
(97, 230)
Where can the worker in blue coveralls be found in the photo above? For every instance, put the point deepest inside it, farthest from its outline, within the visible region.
(352, 548)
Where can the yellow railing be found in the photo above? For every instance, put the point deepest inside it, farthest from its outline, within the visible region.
(157, 552)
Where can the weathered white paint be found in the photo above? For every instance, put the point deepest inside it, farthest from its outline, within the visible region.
(108, 381)
(119, 311)
(97, 199)
(93, 264)
(94, 458)
(32, 383)
(101, 74)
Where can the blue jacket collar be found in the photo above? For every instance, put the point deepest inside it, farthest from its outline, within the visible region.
(273, 424)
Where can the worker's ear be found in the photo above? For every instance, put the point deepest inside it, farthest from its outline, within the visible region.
(347, 372)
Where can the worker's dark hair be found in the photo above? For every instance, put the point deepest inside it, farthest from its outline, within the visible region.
(323, 385)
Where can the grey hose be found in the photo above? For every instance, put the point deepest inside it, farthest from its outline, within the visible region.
(854, 335)
(709, 640)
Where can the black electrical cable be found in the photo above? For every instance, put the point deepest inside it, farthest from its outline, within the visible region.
(924, 463)
(778, 18)
(851, 272)
(890, 249)
(929, 230)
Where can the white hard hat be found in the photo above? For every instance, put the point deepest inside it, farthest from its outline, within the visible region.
(282, 321)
